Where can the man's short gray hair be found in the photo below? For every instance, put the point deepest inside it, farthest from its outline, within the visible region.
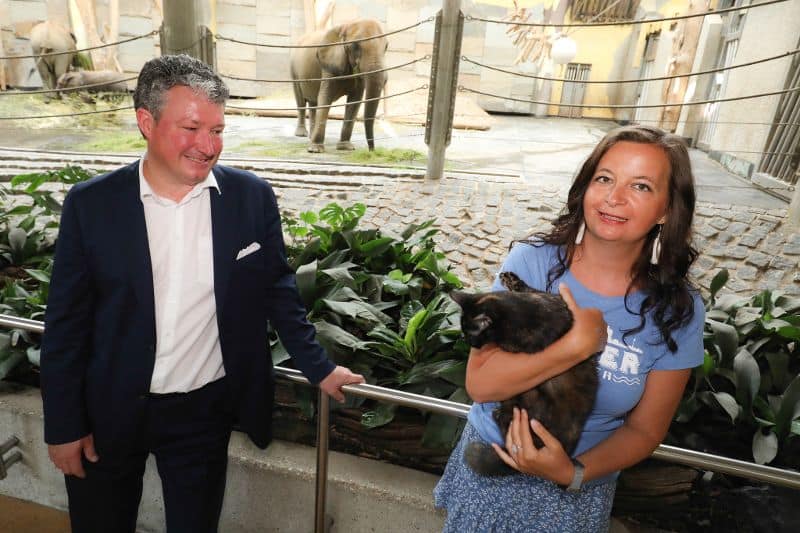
(161, 74)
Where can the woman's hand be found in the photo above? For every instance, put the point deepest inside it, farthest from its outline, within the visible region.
(549, 462)
(588, 334)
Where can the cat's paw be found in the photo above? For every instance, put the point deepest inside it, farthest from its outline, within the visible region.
(512, 282)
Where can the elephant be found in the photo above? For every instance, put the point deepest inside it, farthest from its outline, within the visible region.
(330, 61)
(110, 80)
(49, 37)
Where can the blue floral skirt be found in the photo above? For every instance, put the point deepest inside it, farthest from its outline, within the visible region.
(516, 503)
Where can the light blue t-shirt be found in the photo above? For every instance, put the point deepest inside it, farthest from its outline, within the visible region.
(623, 365)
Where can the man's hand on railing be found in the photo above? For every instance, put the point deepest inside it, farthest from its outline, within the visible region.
(332, 384)
(67, 457)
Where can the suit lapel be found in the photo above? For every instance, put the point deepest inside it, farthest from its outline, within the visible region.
(223, 233)
(133, 212)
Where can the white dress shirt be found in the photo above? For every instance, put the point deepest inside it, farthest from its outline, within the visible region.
(188, 354)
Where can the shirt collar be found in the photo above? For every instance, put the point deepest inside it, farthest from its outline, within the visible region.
(146, 190)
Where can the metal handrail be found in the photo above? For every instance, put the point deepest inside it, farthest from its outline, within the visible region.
(705, 461)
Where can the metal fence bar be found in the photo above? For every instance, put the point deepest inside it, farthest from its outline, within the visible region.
(705, 461)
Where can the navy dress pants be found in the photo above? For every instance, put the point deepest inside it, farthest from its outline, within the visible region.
(188, 433)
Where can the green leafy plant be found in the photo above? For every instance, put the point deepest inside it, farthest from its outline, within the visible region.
(744, 400)
(379, 306)
(29, 212)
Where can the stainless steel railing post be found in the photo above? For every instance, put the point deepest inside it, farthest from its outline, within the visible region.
(6, 462)
(323, 424)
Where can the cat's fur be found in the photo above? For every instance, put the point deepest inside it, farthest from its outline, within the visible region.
(527, 320)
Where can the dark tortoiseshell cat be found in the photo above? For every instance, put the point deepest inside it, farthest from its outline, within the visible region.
(527, 320)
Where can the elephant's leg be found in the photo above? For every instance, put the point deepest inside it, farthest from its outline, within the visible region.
(45, 68)
(350, 114)
(320, 120)
(312, 117)
(300, 101)
(60, 65)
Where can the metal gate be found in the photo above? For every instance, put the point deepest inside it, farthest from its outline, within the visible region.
(572, 91)
(781, 159)
(731, 32)
(648, 60)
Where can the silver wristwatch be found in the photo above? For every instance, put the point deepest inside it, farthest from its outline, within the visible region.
(577, 476)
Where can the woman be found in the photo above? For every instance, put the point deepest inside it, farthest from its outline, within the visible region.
(619, 254)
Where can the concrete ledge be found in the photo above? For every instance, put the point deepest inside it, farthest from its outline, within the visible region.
(268, 490)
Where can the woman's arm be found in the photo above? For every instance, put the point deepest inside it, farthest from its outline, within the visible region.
(496, 375)
(642, 432)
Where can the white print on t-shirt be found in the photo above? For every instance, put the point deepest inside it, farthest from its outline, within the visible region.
(619, 361)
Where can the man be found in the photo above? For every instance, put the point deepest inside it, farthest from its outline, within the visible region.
(166, 273)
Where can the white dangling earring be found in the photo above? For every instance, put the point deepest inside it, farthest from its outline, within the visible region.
(656, 253)
(581, 231)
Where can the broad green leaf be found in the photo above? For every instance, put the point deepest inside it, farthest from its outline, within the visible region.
(17, 238)
(279, 353)
(442, 431)
(309, 217)
(426, 371)
(795, 427)
(765, 447)
(358, 310)
(380, 416)
(410, 338)
(687, 409)
(376, 246)
(790, 408)
(729, 303)
(718, 315)
(775, 324)
(708, 364)
(746, 315)
(34, 355)
(728, 402)
(779, 368)
(718, 281)
(790, 304)
(39, 275)
(748, 378)
(333, 335)
(306, 278)
(11, 360)
(396, 287)
(726, 337)
(341, 274)
(790, 332)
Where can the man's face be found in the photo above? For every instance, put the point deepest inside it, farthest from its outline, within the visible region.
(186, 140)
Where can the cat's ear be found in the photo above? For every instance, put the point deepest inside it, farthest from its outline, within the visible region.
(460, 297)
(479, 324)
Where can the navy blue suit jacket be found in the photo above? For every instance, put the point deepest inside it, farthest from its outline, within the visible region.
(98, 348)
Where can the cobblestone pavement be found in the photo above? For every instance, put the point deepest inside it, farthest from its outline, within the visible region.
(479, 215)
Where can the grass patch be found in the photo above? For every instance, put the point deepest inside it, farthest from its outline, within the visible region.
(272, 149)
(65, 112)
(116, 142)
(386, 156)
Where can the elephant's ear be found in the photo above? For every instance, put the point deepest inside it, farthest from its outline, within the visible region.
(333, 59)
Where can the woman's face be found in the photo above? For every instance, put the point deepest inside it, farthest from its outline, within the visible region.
(628, 193)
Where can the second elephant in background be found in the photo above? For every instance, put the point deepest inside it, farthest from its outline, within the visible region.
(339, 60)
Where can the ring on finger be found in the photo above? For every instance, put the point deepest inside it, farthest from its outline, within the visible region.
(514, 449)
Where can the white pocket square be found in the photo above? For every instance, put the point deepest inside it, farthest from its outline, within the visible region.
(254, 247)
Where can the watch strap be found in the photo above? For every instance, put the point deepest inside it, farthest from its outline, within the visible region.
(577, 476)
